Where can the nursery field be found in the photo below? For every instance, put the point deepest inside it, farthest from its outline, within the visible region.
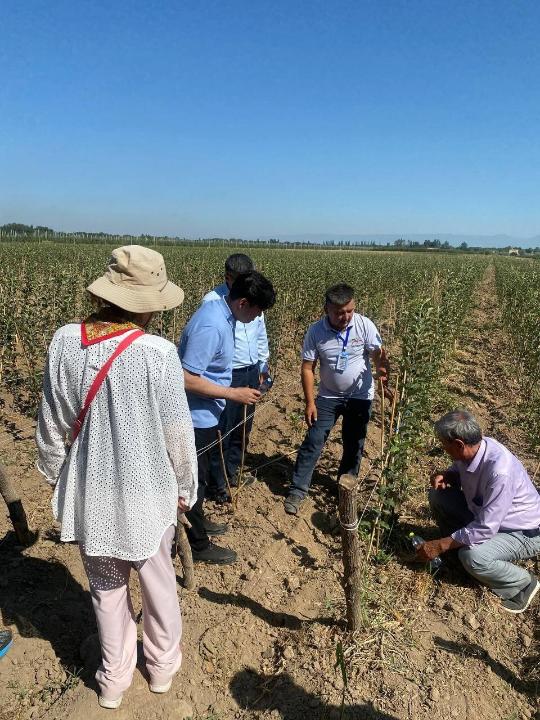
(261, 637)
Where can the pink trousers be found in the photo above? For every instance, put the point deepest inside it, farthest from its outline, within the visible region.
(162, 624)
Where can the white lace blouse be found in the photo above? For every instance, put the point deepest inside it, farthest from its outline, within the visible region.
(116, 491)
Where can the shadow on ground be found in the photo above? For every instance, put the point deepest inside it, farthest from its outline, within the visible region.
(255, 691)
(43, 600)
(276, 472)
(467, 649)
(275, 619)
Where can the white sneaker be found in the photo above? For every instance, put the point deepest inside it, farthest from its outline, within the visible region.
(109, 704)
(161, 688)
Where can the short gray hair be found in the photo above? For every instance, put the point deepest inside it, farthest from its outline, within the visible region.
(459, 425)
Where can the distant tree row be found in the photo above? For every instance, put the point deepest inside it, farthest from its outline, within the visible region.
(38, 233)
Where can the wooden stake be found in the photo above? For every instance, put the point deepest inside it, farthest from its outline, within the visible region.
(241, 470)
(394, 402)
(381, 385)
(15, 509)
(348, 520)
(183, 548)
(223, 465)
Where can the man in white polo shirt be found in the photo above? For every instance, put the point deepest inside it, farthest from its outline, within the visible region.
(343, 342)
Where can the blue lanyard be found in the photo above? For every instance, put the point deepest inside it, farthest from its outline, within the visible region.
(346, 338)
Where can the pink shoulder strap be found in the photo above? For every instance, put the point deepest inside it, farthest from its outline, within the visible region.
(98, 380)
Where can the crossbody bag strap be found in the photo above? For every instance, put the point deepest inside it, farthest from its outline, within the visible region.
(98, 380)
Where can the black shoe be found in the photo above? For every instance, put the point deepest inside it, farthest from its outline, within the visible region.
(292, 504)
(215, 555)
(520, 602)
(220, 498)
(213, 528)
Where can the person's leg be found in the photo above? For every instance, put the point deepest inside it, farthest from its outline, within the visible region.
(311, 448)
(201, 547)
(108, 578)
(249, 377)
(162, 623)
(197, 535)
(492, 562)
(449, 509)
(356, 414)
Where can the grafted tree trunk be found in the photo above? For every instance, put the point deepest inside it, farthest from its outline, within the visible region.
(15, 508)
(183, 549)
(348, 520)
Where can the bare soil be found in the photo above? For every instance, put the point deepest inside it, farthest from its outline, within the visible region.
(260, 636)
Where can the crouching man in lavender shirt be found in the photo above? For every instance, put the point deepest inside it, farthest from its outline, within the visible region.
(486, 507)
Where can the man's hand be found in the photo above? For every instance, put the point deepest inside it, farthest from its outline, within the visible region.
(429, 550)
(263, 376)
(438, 481)
(382, 377)
(382, 368)
(443, 480)
(310, 414)
(244, 395)
(182, 505)
(432, 548)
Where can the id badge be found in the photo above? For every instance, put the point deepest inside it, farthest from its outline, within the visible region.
(342, 361)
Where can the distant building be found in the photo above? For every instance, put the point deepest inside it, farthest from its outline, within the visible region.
(513, 251)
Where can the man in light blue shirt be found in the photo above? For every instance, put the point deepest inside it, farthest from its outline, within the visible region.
(206, 350)
(250, 368)
(343, 343)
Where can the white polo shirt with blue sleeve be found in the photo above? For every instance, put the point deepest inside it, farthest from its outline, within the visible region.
(250, 341)
(207, 348)
(325, 344)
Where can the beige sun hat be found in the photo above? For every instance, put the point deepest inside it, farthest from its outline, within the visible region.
(136, 280)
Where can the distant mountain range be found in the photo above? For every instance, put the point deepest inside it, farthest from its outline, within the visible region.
(485, 241)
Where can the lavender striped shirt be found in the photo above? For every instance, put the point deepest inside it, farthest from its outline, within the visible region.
(499, 493)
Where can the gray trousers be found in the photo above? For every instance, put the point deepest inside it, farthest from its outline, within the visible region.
(490, 562)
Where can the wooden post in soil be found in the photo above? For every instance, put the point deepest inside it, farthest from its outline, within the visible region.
(183, 548)
(15, 509)
(348, 520)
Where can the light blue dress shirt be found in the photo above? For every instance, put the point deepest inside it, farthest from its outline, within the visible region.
(207, 348)
(250, 340)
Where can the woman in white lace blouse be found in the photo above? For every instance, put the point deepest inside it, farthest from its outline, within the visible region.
(133, 463)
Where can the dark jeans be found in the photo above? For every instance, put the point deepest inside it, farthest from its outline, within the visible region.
(355, 415)
(232, 444)
(450, 510)
(197, 535)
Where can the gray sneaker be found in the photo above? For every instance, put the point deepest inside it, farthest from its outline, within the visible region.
(292, 504)
(247, 479)
(520, 602)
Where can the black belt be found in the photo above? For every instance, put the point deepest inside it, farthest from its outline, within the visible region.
(247, 368)
(531, 533)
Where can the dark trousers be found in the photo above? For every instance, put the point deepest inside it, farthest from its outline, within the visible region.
(197, 535)
(450, 510)
(232, 443)
(356, 414)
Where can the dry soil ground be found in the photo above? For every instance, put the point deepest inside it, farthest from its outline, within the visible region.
(260, 636)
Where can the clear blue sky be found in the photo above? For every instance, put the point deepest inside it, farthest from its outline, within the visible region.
(266, 118)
